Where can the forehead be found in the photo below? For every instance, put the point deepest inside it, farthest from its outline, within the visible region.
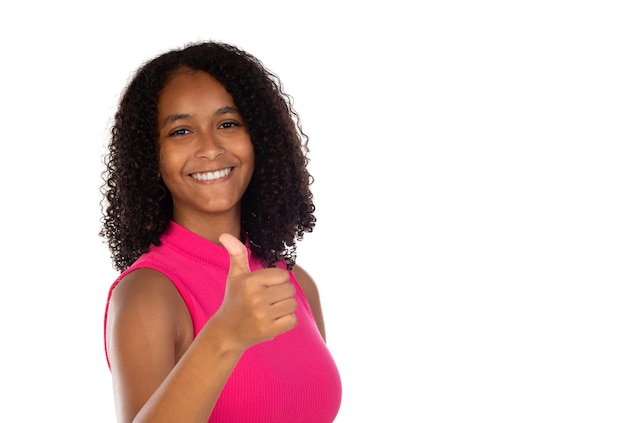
(191, 87)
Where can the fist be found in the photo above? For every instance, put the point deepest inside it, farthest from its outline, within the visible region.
(257, 306)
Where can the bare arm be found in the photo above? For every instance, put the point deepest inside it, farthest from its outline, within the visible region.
(312, 295)
(155, 366)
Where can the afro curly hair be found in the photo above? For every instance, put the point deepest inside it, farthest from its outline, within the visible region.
(277, 207)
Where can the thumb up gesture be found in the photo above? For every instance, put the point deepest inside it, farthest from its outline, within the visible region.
(257, 306)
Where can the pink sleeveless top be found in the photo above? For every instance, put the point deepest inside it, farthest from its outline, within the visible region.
(291, 379)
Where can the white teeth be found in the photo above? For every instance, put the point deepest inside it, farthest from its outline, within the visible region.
(209, 176)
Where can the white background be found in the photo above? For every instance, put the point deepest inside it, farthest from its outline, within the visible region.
(470, 182)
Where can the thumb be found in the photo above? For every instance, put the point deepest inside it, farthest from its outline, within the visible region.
(238, 255)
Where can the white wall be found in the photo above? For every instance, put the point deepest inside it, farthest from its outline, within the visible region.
(470, 182)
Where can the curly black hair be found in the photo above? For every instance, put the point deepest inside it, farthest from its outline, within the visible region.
(277, 207)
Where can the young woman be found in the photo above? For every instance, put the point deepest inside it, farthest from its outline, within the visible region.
(206, 192)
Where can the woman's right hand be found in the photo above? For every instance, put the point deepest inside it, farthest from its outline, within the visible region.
(257, 306)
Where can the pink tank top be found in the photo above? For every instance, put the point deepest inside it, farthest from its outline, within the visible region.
(291, 379)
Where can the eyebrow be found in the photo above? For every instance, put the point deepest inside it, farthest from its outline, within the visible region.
(179, 116)
(225, 110)
(173, 118)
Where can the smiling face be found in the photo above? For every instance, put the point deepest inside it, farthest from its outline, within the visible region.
(206, 156)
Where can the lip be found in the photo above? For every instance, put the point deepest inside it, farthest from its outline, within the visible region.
(211, 175)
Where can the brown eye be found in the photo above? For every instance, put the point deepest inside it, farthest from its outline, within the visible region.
(179, 132)
(228, 125)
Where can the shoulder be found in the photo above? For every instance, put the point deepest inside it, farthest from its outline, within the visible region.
(146, 302)
(305, 280)
(143, 288)
(309, 287)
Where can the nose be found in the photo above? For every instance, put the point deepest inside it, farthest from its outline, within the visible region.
(208, 146)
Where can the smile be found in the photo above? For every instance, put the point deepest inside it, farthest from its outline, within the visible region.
(209, 176)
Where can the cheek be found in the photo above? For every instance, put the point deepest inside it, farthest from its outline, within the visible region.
(252, 157)
(251, 163)
(246, 150)
(168, 159)
(163, 167)
(168, 169)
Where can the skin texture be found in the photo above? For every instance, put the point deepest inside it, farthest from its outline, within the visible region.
(160, 372)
